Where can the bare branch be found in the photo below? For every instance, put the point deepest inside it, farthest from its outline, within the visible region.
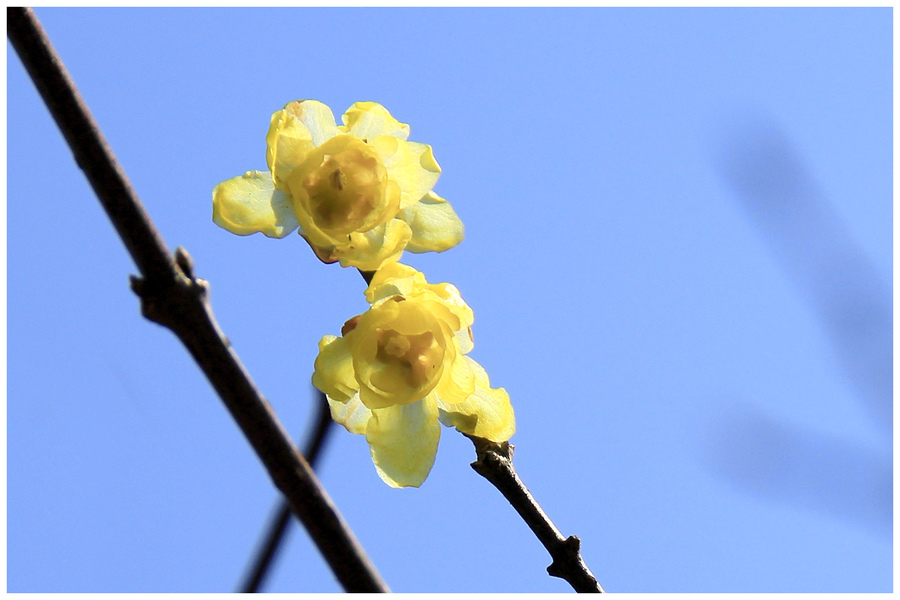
(277, 529)
(173, 297)
(495, 464)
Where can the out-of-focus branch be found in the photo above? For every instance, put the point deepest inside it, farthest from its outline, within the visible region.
(173, 297)
(277, 529)
(495, 464)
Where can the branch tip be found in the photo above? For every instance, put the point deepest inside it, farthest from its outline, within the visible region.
(184, 262)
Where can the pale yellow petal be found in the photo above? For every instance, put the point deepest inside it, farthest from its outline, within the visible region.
(452, 301)
(486, 413)
(334, 373)
(367, 120)
(288, 143)
(434, 224)
(352, 414)
(316, 117)
(392, 279)
(251, 204)
(465, 340)
(458, 379)
(368, 251)
(410, 164)
(403, 441)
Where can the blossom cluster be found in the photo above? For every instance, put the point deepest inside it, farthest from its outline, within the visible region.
(360, 194)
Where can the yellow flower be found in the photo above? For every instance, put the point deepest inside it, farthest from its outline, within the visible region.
(359, 193)
(400, 369)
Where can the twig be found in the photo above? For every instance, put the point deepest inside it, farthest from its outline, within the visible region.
(495, 464)
(173, 297)
(277, 529)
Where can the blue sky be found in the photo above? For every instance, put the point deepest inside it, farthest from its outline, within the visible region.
(678, 250)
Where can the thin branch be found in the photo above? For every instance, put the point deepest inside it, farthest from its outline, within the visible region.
(173, 297)
(277, 529)
(495, 464)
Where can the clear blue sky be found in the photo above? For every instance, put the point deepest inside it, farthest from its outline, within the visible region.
(678, 250)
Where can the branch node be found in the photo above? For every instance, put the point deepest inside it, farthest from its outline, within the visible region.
(488, 452)
(166, 301)
(567, 552)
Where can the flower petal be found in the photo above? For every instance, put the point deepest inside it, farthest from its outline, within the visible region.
(435, 226)
(458, 380)
(392, 279)
(403, 441)
(410, 164)
(487, 413)
(368, 251)
(367, 120)
(353, 414)
(465, 340)
(453, 302)
(316, 117)
(250, 204)
(294, 131)
(288, 142)
(334, 373)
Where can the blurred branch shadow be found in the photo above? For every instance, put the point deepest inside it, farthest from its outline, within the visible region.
(781, 462)
(854, 306)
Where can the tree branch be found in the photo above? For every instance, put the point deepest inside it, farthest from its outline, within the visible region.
(277, 529)
(495, 464)
(173, 297)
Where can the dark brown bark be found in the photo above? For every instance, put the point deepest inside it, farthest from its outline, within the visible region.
(495, 464)
(173, 297)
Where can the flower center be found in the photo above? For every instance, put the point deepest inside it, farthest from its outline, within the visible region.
(414, 356)
(344, 189)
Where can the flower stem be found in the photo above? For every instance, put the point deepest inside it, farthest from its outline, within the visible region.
(495, 464)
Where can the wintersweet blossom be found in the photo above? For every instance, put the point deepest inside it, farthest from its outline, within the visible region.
(400, 369)
(359, 193)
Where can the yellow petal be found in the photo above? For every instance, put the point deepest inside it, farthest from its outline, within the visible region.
(410, 164)
(465, 340)
(367, 120)
(288, 142)
(434, 224)
(334, 373)
(403, 441)
(449, 296)
(391, 279)
(251, 204)
(316, 117)
(353, 414)
(294, 131)
(368, 251)
(458, 380)
(487, 413)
